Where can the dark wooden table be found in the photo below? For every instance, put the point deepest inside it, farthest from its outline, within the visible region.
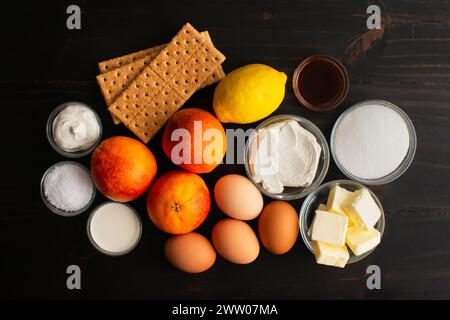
(43, 64)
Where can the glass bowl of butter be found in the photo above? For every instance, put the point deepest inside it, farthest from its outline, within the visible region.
(341, 222)
(286, 157)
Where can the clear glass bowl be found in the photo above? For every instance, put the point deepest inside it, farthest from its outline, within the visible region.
(291, 193)
(49, 131)
(337, 100)
(108, 253)
(406, 161)
(320, 195)
(57, 210)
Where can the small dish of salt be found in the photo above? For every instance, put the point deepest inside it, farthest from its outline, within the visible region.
(67, 188)
(373, 142)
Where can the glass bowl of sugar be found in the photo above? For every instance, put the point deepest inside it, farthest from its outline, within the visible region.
(67, 188)
(373, 142)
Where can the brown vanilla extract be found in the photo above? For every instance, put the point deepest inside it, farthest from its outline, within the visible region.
(321, 83)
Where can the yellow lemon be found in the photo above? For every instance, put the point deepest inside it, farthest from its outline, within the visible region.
(249, 94)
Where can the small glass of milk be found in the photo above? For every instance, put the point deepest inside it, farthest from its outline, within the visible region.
(114, 228)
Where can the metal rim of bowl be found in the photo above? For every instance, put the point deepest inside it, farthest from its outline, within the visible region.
(311, 127)
(49, 131)
(343, 71)
(404, 165)
(303, 223)
(100, 249)
(57, 210)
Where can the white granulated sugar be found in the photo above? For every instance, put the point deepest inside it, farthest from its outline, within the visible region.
(371, 141)
(68, 187)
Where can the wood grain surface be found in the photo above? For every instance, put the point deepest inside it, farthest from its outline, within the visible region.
(43, 64)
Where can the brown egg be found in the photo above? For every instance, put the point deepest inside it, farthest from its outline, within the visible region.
(235, 241)
(238, 197)
(190, 252)
(278, 227)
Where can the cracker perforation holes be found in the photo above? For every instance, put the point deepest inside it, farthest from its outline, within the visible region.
(136, 86)
(127, 97)
(156, 84)
(106, 67)
(146, 75)
(118, 74)
(120, 63)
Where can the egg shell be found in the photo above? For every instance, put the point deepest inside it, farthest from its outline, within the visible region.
(238, 197)
(190, 252)
(278, 227)
(235, 241)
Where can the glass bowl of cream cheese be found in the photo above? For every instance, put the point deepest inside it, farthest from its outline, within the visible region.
(74, 129)
(286, 157)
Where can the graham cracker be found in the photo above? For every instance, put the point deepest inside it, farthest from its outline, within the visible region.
(118, 73)
(166, 83)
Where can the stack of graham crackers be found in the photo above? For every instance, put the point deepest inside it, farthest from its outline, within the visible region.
(143, 89)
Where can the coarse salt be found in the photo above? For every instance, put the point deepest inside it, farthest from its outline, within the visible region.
(68, 187)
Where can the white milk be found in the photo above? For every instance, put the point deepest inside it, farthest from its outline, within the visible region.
(115, 228)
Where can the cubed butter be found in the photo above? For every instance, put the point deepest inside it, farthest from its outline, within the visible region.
(330, 255)
(338, 198)
(329, 227)
(363, 211)
(322, 207)
(361, 241)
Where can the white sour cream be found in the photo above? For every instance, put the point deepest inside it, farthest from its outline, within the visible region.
(286, 155)
(75, 128)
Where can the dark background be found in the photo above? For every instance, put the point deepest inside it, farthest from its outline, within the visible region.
(42, 64)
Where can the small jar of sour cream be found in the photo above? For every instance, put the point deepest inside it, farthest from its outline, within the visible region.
(74, 129)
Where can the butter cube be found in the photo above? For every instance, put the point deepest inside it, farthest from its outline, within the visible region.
(330, 255)
(363, 211)
(322, 207)
(329, 227)
(361, 241)
(338, 198)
